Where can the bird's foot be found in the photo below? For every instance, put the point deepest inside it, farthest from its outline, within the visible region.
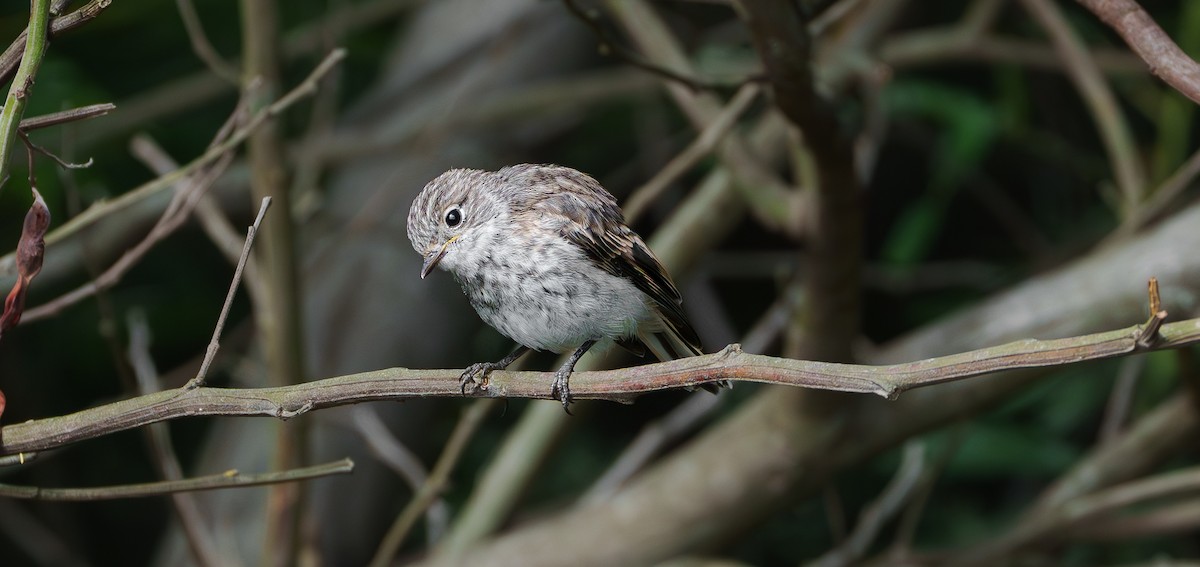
(560, 390)
(476, 375)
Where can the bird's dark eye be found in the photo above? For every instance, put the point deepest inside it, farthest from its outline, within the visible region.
(453, 217)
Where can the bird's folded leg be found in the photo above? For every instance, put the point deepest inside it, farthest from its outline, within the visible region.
(561, 390)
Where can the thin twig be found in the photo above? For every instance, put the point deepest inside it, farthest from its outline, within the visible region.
(215, 344)
(687, 416)
(391, 452)
(1179, 517)
(58, 24)
(173, 217)
(831, 16)
(212, 219)
(1154, 296)
(641, 198)
(1116, 411)
(65, 116)
(200, 44)
(898, 491)
(29, 534)
(228, 479)
(608, 46)
(940, 44)
(200, 541)
(910, 518)
(322, 122)
(256, 121)
(309, 85)
(471, 419)
(203, 87)
(771, 200)
(54, 157)
(1148, 334)
(18, 459)
(650, 441)
(1076, 513)
(1160, 434)
(1114, 129)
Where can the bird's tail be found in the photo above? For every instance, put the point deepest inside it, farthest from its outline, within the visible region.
(667, 345)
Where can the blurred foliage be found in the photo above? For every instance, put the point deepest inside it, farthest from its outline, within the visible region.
(996, 165)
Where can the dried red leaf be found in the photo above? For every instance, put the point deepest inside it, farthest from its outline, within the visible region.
(31, 249)
(32, 246)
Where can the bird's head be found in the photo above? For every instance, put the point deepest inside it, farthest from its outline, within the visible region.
(447, 219)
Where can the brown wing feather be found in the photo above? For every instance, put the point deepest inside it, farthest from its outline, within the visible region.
(597, 225)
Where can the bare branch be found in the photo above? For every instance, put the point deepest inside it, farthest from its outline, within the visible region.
(213, 345)
(256, 121)
(187, 509)
(200, 44)
(172, 218)
(1121, 399)
(384, 445)
(894, 495)
(228, 479)
(65, 116)
(1114, 129)
(1151, 43)
(58, 24)
(608, 46)
(833, 233)
(641, 198)
(1076, 513)
(32, 147)
(621, 385)
(468, 424)
(688, 416)
(208, 212)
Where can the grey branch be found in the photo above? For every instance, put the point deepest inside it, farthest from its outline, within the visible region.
(621, 385)
(227, 479)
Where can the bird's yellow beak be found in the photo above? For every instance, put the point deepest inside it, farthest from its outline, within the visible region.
(432, 259)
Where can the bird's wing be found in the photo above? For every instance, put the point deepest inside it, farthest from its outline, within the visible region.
(595, 223)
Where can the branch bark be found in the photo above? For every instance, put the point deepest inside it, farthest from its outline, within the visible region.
(623, 385)
(1165, 59)
(58, 24)
(281, 331)
(227, 479)
(833, 229)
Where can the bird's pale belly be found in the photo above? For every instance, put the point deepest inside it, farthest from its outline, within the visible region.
(556, 310)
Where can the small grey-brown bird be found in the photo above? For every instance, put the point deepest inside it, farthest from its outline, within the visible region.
(545, 257)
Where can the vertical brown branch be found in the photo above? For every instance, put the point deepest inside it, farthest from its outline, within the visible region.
(834, 228)
(281, 328)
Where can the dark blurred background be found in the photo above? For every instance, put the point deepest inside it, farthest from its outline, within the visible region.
(983, 176)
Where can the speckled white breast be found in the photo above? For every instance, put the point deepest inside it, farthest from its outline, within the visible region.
(546, 294)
